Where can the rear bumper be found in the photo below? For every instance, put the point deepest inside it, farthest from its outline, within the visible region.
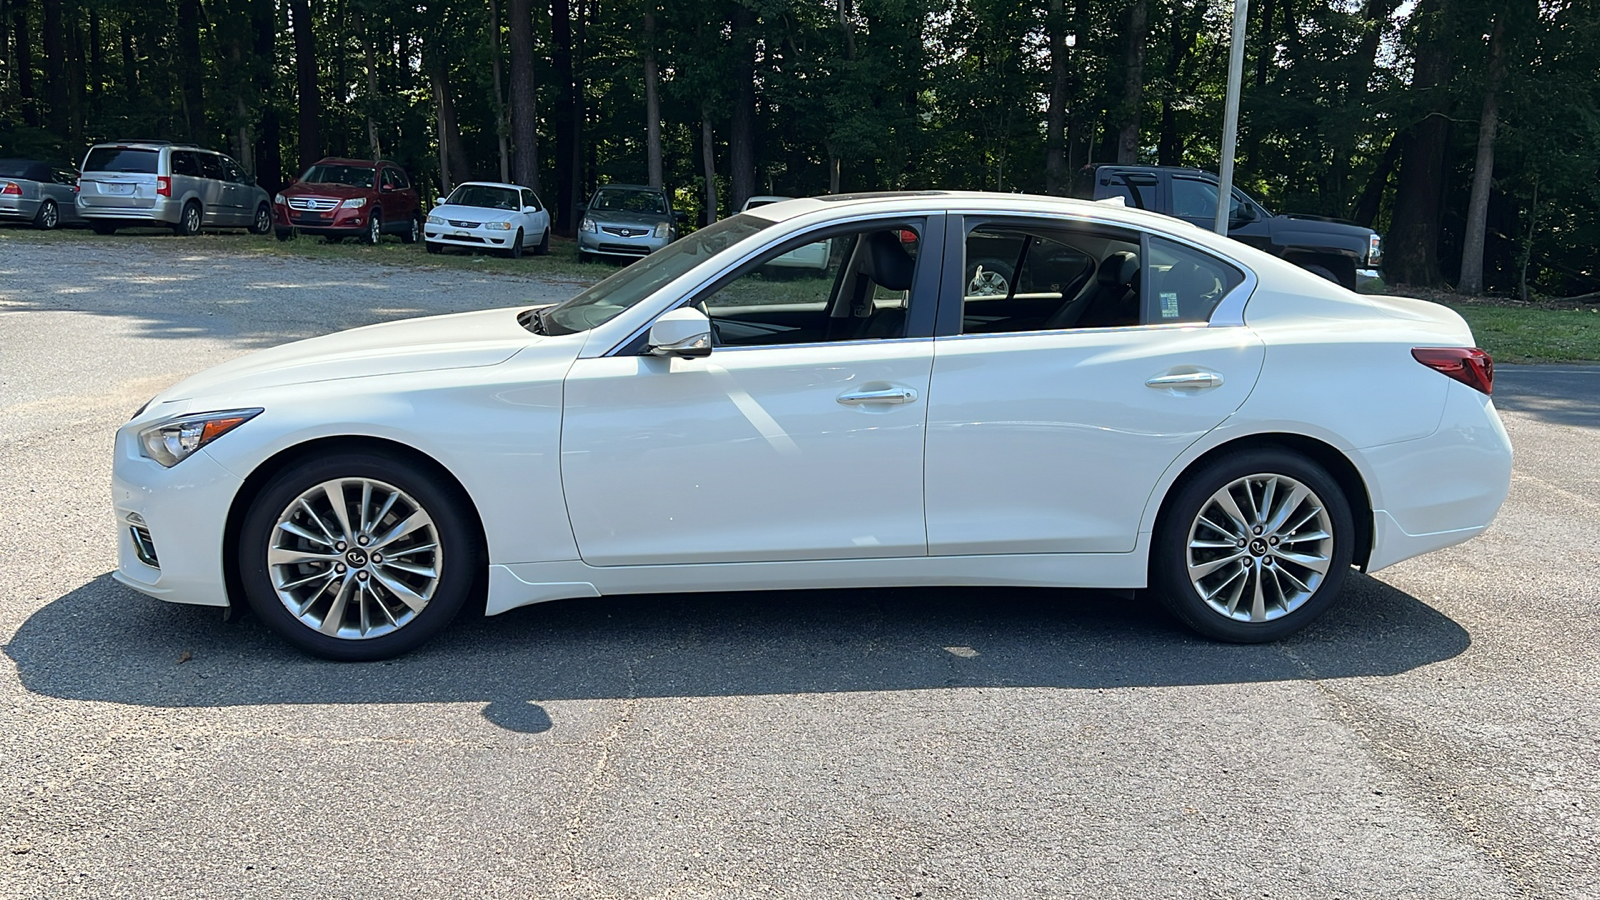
(19, 208)
(163, 214)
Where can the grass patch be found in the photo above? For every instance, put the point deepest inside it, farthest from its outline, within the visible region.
(1524, 334)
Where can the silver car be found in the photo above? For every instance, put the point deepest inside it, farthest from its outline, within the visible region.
(182, 186)
(626, 220)
(37, 193)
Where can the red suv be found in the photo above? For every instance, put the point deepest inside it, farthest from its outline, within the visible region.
(339, 198)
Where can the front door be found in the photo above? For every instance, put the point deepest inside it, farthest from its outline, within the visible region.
(800, 436)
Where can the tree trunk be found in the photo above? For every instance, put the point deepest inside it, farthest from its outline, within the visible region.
(569, 120)
(1372, 197)
(310, 95)
(499, 92)
(742, 136)
(453, 163)
(58, 116)
(130, 69)
(1413, 244)
(1132, 84)
(97, 65)
(1471, 280)
(190, 69)
(652, 104)
(524, 97)
(269, 144)
(708, 155)
(24, 47)
(1055, 157)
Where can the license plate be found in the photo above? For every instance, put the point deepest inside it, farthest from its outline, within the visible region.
(460, 234)
(116, 188)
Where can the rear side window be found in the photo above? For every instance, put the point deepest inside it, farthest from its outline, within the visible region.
(184, 163)
(1185, 284)
(121, 159)
(1137, 191)
(1041, 278)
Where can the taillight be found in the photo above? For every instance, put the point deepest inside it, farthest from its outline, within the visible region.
(164, 185)
(1468, 365)
(12, 189)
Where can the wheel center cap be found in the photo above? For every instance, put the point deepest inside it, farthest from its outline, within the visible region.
(356, 557)
(1258, 547)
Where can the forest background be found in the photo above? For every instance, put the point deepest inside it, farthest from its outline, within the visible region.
(1466, 131)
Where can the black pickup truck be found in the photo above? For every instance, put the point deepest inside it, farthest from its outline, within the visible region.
(1338, 251)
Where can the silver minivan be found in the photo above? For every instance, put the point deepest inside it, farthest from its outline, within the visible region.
(182, 186)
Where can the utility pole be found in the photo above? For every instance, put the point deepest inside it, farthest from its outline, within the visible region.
(1230, 117)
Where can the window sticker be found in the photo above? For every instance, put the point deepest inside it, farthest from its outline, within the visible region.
(1169, 304)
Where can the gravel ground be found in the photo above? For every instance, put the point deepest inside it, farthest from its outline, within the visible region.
(1437, 736)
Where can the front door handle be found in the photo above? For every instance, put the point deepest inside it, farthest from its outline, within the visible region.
(1185, 381)
(888, 395)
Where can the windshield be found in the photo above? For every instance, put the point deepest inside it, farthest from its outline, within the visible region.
(122, 159)
(629, 201)
(354, 176)
(599, 304)
(484, 197)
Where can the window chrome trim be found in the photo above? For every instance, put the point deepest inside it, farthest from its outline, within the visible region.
(1112, 329)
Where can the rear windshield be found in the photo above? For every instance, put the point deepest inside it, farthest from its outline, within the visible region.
(121, 159)
(354, 176)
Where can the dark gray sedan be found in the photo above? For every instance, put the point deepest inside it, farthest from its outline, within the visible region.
(38, 193)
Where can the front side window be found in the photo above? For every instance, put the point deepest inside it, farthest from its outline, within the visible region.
(398, 179)
(529, 199)
(232, 172)
(604, 301)
(856, 285)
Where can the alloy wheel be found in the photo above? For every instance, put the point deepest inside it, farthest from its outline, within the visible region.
(987, 283)
(1260, 547)
(355, 558)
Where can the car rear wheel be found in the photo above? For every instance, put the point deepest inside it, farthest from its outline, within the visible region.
(544, 244)
(188, 221)
(48, 216)
(374, 230)
(357, 555)
(1254, 547)
(263, 220)
(414, 233)
(515, 250)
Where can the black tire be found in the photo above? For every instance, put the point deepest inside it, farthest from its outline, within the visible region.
(988, 278)
(544, 244)
(374, 232)
(1283, 614)
(285, 234)
(414, 233)
(263, 220)
(103, 228)
(434, 247)
(48, 216)
(458, 562)
(189, 221)
(515, 250)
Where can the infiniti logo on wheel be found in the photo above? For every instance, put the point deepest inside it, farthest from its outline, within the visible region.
(356, 557)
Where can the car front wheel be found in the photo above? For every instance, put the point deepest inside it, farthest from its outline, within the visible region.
(374, 230)
(1254, 547)
(515, 250)
(357, 556)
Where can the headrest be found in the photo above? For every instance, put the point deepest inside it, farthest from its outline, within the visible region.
(891, 265)
(1119, 269)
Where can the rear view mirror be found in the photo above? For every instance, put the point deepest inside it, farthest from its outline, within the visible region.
(685, 331)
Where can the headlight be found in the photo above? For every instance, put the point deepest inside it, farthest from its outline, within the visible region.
(279, 200)
(661, 229)
(435, 220)
(588, 225)
(354, 203)
(173, 441)
(497, 226)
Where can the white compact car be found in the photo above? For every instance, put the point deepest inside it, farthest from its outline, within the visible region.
(1146, 405)
(483, 215)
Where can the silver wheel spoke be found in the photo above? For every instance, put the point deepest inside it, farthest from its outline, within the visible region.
(278, 556)
(404, 594)
(1258, 603)
(1202, 570)
(335, 617)
(366, 501)
(1296, 497)
(1318, 564)
(408, 568)
(335, 494)
(418, 519)
(300, 532)
(1224, 499)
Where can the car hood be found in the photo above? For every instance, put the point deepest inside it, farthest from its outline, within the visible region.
(623, 217)
(325, 189)
(462, 340)
(471, 213)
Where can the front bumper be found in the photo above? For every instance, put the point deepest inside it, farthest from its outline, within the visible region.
(477, 237)
(182, 512)
(339, 222)
(608, 244)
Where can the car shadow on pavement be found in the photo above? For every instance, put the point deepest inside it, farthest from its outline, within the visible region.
(103, 642)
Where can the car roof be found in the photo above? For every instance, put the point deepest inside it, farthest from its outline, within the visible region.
(631, 187)
(344, 161)
(493, 184)
(150, 145)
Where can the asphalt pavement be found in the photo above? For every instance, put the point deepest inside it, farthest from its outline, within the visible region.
(1438, 735)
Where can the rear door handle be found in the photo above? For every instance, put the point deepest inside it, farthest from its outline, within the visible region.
(888, 395)
(1185, 381)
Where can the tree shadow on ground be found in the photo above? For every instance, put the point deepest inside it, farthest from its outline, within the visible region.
(103, 642)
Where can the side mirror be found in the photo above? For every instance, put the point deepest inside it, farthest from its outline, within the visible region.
(530, 209)
(680, 217)
(387, 189)
(683, 332)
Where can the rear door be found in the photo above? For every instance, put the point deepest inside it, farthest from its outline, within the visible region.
(1048, 430)
(119, 178)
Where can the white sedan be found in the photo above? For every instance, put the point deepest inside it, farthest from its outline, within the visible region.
(1146, 405)
(483, 215)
